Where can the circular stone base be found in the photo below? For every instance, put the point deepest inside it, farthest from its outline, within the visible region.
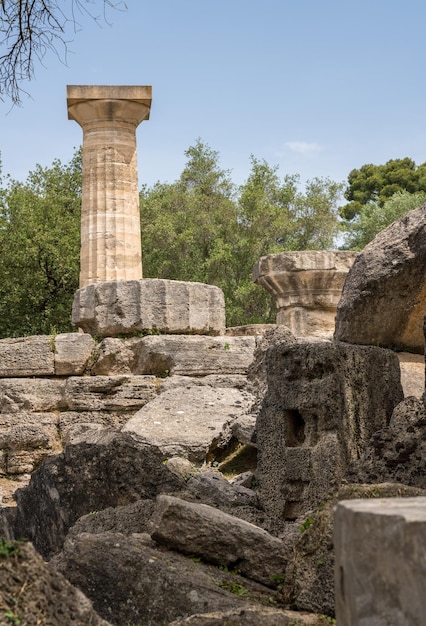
(114, 308)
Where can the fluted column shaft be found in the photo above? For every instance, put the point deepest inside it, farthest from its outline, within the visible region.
(110, 221)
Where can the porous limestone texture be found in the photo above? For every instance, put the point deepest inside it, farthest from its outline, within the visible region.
(306, 286)
(384, 298)
(108, 309)
(323, 403)
(110, 220)
(380, 569)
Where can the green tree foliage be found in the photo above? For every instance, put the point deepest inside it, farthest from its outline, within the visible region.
(372, 218)
(40, 245)
(202, 228)
(377, 183)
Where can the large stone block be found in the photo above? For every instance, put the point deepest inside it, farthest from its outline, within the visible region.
(190, 421)
(168, 354)
(384, 297)
(109, 309)
(380, 568)
(218, 538)
(72, 353)
(31, 394)
(27, 356)
(323, 403)
(109, 393)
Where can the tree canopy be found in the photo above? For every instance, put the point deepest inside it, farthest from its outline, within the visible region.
(29, 30)
(377, 183)
(373, 217)
(40, 246)
(203, 228)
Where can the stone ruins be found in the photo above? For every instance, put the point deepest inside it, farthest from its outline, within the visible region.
(169, 471)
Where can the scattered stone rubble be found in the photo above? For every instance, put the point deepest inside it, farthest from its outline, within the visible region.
(188, 479)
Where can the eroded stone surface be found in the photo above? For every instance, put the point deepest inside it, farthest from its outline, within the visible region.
(72, 353)
(218, 538)
(31, 592)
(108, 309)
(175, 355)
(380, 565)
(324, 402)
(27, 356)
(190, 421)
(113, 470)
(384, 298)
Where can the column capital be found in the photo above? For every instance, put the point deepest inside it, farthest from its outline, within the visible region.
(102, 104)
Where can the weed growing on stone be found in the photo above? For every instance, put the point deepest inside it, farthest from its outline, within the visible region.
(235, 588)
(306, 524)
(8, 548)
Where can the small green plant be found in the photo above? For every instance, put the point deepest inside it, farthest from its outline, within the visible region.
(53, 335)
(8, 548)
(320, 561)
(164, 374)
(227, 346)
(12, 617)
(277, 579)
(306, 524)
(235, 588)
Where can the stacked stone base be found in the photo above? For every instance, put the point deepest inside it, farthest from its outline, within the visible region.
(109, 309)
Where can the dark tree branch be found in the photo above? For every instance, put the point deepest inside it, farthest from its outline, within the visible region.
(29, 29)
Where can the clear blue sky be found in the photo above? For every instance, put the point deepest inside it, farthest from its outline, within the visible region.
(316, 87)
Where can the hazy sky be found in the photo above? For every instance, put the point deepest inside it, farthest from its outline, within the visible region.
(318, 87)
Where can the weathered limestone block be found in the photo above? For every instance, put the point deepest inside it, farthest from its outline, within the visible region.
(397, 453)
(169, 354)
(324, 402)
(116, 356)
(412, 368)
(380, 567)
(72, 353)
(309, 579)
(31, 394)
(38, 594)
(251, 330)
(28, 431)
(132, 582)
(114, 470)
(26, 439)
(384, 298)
(72, 424)
(27, 356)
(190, 421)
(109, 393)
(306, 286)
(254, 616)
(112, 308)
(219, 538)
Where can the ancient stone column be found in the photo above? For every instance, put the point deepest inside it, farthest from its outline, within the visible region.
(110, 222)
(307, 286)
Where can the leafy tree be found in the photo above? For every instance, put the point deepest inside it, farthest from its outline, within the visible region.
(373, 218)
(40, 245)
(201, 228)
(378, 183)
(30, 29)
